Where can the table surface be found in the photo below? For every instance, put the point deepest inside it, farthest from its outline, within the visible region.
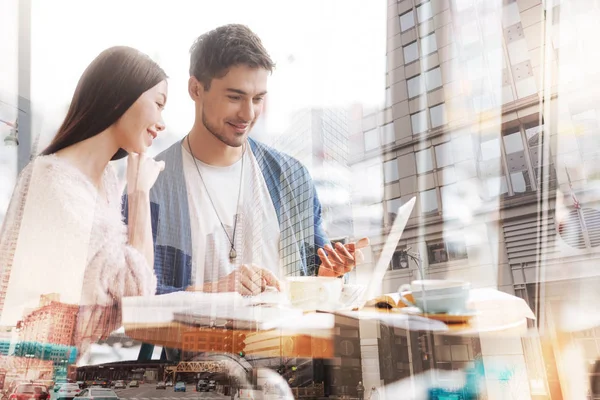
(315, 333)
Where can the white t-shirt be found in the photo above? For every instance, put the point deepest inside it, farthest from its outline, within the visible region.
(257, 231)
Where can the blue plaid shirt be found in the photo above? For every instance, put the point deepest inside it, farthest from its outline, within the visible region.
(294, 197)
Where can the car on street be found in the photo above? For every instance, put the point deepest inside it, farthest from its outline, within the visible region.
(97, 394)
(169, 383)
(134, 384)
(179, 387)
(119, 385)
(27, 391)
(161, 385)
(100, 383)
(212, 385)
(202, 386)
(68, 391)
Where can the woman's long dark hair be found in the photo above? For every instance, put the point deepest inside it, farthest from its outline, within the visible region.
(107, 88)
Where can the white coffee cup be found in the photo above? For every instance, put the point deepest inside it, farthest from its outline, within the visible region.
(438, 295)
(314, 292)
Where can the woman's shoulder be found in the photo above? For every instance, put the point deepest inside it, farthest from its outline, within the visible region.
(56, 174)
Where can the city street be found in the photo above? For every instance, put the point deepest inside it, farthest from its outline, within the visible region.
(148, 392)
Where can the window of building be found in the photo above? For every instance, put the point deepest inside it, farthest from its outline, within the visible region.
(411, 52)
(416, 86)
(443, 155)
(516, 161)
(429, 201)
(392, 208)
(390, 171)
(388, 134)
(399, 261)
(419, 122)
(424, 12)
(490, 168)
(372, 139)
(534, 136)
(428, 44)
(407, 21)
(438, 115)
(451, 202)
(441, 251)
(424, 161)
(433, 78)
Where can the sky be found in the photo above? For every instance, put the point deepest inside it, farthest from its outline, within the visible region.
(328, 53)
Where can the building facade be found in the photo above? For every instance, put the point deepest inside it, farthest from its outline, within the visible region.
(52, 322)
(485, 124)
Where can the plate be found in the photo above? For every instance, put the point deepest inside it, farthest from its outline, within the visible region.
(459, 317)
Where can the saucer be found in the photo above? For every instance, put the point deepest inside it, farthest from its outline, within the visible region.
(455, 317)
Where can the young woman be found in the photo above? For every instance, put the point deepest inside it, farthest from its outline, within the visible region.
(63, 243)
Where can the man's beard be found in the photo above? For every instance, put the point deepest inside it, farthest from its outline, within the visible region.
(220, 136)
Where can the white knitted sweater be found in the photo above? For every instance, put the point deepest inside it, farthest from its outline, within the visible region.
(60, 236)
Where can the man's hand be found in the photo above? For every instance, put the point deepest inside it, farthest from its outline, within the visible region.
(247, 280)
(342, 259)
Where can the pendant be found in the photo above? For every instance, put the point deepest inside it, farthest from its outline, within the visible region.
(232, 254)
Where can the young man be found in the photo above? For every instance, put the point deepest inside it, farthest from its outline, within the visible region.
(230, 213)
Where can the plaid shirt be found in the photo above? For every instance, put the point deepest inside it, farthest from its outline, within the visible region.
(294, 197)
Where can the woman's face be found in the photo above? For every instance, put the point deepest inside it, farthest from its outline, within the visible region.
(139, 126)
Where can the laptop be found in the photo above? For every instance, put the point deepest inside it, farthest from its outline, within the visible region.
(244, 317)
(388, 251)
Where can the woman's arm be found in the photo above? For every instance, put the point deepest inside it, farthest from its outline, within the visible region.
(140, 226)
(142, 172)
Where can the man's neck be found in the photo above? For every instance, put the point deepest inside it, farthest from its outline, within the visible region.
(210, 150)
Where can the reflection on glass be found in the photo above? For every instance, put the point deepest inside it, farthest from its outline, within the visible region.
(390, 170)
(407, 20)
(449, 199)
(419, 122)
(490, 149)
(371, 139)
(441, 251)
(429, 201)
(433, 78)
(443, 155)
(392, 208)
(415, 86)
(424, 161)
(428, 44)
(424, 12)
(438, 115)
(411, 52)
(520, 182)
(496, 186)
(513, 143)
(389, 135)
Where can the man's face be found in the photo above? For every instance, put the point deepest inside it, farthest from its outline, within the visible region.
(233, 103)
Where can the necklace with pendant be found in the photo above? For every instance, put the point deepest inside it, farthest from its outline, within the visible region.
(232, 252)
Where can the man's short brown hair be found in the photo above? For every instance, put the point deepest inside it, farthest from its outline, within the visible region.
(214, 52)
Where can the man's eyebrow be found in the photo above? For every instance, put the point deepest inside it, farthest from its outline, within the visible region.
(241, 92)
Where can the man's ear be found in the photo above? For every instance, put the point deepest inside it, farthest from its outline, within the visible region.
(195, 89)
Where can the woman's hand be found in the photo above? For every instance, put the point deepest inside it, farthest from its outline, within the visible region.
(142, 172)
